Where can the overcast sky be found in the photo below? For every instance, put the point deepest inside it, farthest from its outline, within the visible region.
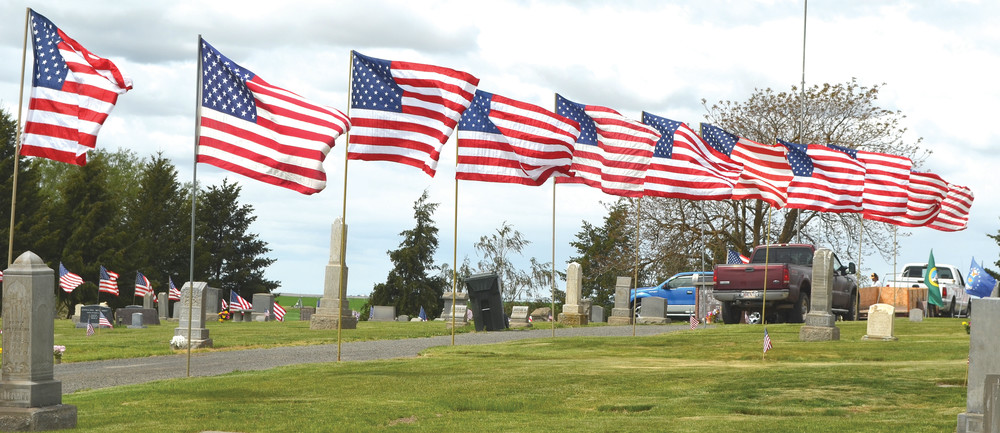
(938, 60)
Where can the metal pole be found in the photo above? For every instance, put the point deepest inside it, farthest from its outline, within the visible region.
(553, 255)
(767, 262)
(342, 290)
(194, 201)
(635, 279)
(454, 254)
(861, 237)
(802, 106)
(17, 140)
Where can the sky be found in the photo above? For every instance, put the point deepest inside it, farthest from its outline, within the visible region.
(937, 60)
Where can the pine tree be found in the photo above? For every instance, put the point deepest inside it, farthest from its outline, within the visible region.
(414, 280)
(158, 224)
(606, 253)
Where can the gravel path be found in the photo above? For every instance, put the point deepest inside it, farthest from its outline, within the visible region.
(102, 374)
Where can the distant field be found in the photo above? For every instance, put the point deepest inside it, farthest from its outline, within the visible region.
(288, 301)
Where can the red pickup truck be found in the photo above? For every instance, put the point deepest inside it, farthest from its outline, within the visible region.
(740, 288)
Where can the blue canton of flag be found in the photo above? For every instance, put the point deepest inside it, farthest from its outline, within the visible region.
(225, 86)
(735, 258)
(374, 88)
(800, 162)
(667, 128)
(981, 284)
(718, 138)
(575, 112)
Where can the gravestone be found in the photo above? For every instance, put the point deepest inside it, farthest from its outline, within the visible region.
(543, 314)
(461, 299)
(30, 398)
(820, 324)
(880, 322)
(621, 314)
(305, 313)
(124, 315)
(76, 313)
(192, 317)
(136, 322)
(654, 311)
(213, 303)
(403, 318)
(92, 314)
(597, 314)
(519, 317)
(573, 313)
(485, 301)
(984, 360)
(383, 313)
(916, 315)
(263, 307)
(163, 306)
(333, 309)
(147, 300)
(991, 397)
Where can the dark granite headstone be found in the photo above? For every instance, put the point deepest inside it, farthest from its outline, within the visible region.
(92, 314)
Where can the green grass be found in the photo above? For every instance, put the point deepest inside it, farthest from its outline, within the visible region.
(288, 301)
(689, 381)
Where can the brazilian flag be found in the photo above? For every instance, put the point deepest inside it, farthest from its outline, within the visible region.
(930, 280)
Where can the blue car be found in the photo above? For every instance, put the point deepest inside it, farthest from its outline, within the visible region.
(678, 290)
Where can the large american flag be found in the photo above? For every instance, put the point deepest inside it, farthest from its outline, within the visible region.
(72, 93)
(404, 112)
(506, 140)
(262, 131)
(236, 302)
(954, 214)
(924, 194)
(173, 294)
(825, 179)
(108, 282)
(612, 153)
(766, 173)
(886, 180)
(142, 286)
(685, 166)
(68, 280)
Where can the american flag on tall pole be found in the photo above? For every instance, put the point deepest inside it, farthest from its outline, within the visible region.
(685, 166)
(173, 294)
(262, 131)
(68, 281)
(506, 140)
(142, 286)
(886, 180)
(613, 152)
(924, 194)
(404, 112)
(954, 214)
(108, 282)
(72, 93)
(824, 179)
(766, 173)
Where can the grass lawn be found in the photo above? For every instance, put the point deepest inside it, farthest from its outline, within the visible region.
(688, 381)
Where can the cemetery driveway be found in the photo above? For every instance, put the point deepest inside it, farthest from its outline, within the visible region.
(102, 374)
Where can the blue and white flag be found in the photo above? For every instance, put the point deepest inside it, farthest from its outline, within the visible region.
(423, 315)
(981, 284)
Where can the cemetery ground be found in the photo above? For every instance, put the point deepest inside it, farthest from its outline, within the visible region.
(709, 379)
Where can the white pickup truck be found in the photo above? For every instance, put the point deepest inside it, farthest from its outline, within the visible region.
(953, 295)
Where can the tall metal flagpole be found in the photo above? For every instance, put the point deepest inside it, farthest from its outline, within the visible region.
(194, 201)
(342, 295)
(767, 262)
(553, 255)
(635, 279)
(802, 105)
(861, 237)
(454, 252)
(17, 140)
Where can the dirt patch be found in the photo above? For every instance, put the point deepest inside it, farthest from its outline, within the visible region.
(408, 420)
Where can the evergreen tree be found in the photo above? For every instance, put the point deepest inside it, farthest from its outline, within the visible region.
(157, 220)
(414, 280)
(227, 255)
(606, 253)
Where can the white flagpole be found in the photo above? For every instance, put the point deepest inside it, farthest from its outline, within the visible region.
(17, 141)
(343, 214)
(194, 201)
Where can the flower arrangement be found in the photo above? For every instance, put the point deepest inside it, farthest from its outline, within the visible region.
(223, 316)
(968, 326)
(57, 352)
(178, 342)
(712, 316)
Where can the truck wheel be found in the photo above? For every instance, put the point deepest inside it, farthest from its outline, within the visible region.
(951, 308)
(852, 310)
(730, 314)
(798, 314)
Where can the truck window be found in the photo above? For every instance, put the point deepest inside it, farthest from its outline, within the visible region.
(794, 255)
(945, 273)
(914, 271)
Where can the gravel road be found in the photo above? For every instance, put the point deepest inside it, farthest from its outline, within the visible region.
(102, 374)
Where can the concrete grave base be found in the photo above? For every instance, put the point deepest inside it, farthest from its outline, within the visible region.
(879, 338)
(653, 320)
(458, 323)
(514, 324)
(323, 321)
(56, 417)
(619, 321)
(819, 333)
(970, 423)
(571, 319)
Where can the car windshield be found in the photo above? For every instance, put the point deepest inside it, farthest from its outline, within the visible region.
(793, 255)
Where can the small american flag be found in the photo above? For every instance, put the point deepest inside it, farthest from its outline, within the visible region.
(404, 112)
(694, 322)
(825, 179)
(236, 302)
(142, 286)
(174, 293)
(767, 341)
(735, 258)
(506, 140)
(103, 321)
(225, 306)
(68, 280)
(766, 173)
(90, 329)
(108, 281)
(685, 166)
(72, 93)
(612, 153)
(262, 131)
(279, 312)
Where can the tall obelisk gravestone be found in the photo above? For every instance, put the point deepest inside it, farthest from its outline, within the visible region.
(334, 305)
(30, 399)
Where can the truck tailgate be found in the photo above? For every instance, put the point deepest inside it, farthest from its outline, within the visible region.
(750, 277)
